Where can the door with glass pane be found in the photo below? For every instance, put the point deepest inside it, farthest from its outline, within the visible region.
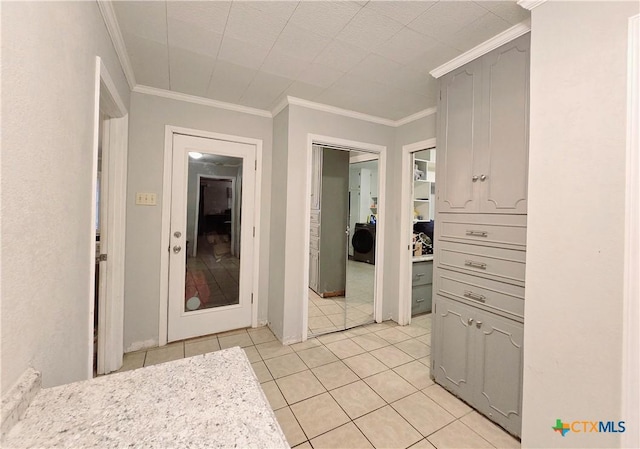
(210, 262)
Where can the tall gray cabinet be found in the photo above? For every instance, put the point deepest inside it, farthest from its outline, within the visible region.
(329, 219)
(481, 220)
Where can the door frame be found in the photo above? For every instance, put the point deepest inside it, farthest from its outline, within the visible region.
(404, 288)
(115, 147)
(169, 132)
(233, 211)
(381, 152)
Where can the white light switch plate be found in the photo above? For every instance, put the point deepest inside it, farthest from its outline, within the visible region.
(146, 199)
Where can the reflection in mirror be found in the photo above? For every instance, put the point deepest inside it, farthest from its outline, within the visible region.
(342, 239)
(213, 231)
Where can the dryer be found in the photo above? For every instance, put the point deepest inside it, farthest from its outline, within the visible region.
(364, 243)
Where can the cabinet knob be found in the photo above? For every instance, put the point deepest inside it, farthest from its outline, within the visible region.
(478, 324)
(483, 178)
(470, 321)
(474, 178)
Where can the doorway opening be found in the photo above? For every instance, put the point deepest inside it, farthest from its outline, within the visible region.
(345, 233)
(417, 221)
(108, 206)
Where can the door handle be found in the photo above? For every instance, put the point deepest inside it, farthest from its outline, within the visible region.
(474, 178)
(478, 324)
(474, 296)
(483, 178)
(471, 263)
(177, 249)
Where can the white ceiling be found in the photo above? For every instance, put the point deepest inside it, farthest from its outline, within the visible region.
(372, 57)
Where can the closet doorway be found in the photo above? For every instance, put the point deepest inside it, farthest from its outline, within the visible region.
(344, 238)
(417, 222)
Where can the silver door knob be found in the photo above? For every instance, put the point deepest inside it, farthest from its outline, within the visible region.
(470, 321)
(177, 249)
(478, 324)
(474, 178)
(483, 178)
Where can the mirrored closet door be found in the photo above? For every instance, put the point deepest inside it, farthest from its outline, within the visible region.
(343, 216)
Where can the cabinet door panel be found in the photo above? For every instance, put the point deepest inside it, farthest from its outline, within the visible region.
(313, 270)
(505, 80)
(452, 351)
(498, 344)
(460, 106)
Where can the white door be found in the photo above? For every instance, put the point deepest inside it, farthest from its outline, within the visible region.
(212, 291)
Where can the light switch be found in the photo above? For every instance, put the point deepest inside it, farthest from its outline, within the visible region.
(146, 199)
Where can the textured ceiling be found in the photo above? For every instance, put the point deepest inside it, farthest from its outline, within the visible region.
(372, 57)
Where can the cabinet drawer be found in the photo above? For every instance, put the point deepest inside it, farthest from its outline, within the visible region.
(315, 217)
(314, 230)
(314, 243)
(497, 296)
(509, 231)
(421, 298)
(499, 264)
(422, 273)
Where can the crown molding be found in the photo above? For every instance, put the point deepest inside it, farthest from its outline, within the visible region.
(416, 116)
(280, 106)
(482, 49)
(286, 101)
(109, 17)
(339, 111)
(530, 4)
(141, 89)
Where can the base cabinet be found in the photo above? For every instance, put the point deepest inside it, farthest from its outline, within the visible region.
(477, 355)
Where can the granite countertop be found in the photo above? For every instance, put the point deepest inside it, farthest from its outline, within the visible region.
(425, 258)
(209, 401)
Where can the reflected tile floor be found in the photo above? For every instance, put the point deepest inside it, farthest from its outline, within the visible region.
(367, 387)
(328, 314)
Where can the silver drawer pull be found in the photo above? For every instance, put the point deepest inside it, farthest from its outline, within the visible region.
(477, 233)
(471, 263)
(419, 275)
(474, 296)
(420, 300)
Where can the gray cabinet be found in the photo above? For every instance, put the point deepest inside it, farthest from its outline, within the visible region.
(480, 232)
(483, 133)
(421, 287)
(478, 357)
(329, 218)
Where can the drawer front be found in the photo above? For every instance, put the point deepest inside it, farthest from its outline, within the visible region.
(508, 231)
(422, 273)
(314, 243)
(421, 298)
(314, 230)
(315, 217)
(505, 265)
(497, 296)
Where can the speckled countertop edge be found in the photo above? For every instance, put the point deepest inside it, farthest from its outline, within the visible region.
(211, 400)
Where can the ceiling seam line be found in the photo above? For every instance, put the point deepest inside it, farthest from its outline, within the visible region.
(215, 61)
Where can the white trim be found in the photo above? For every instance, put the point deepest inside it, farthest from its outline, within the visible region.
(530, 4)
(111, 303)
(416, 116)
(482, 49)
(141, 89)
(170, 130)
(631, 298)
(111, 22)
(404, 290)
(381, 151)
(339, 111)
(280, 106)
(233, 211)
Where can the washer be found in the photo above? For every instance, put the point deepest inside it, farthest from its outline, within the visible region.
(364, 243)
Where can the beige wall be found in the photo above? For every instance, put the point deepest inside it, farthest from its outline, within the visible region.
(148, 117)
(48, 85)
(575, 241)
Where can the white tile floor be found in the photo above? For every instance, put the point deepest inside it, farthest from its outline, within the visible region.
(344, 312)
(361, 388)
